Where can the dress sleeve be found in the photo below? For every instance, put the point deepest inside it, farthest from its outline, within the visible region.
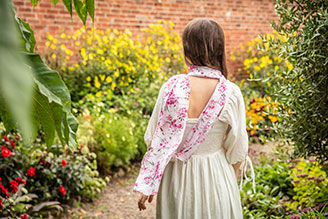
(236, 139)
(154, 119)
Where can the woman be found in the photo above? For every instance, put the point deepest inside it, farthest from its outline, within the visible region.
(196, 136)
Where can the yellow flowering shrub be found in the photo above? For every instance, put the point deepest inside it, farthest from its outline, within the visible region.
(110, 62)
(261, 64)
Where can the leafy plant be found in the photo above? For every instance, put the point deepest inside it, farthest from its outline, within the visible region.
(310, 184)
(303, 90)
(82, 8)
(114, 141)
(31, 100)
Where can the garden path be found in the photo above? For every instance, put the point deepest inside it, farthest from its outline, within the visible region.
(117, 201)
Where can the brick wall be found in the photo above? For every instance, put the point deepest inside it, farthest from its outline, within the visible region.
(241, 20)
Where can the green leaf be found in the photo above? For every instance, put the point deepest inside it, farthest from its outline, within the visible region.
(81, 10)
(16, 79)
(27, 35)
(91, 8)
(54, 2)
(68, 5)
(34, 2)
(52, 104)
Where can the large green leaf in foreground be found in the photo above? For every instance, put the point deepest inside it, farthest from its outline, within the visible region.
(31, 94)
(16, 78)
(52, 104)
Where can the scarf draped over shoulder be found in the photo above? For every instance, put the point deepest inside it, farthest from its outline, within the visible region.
(172, 123)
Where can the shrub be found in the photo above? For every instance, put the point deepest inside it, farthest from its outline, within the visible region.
(310, 183)
(272, 184)
(39, 179)
(114, 141)
(112, 63)
(303, 89)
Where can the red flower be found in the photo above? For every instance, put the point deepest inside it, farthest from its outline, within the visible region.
(1, 206)
(4, 190)
(5, 152)
(20, 181)
(13, 185)
(64, 163)
(102, 132)
(24, 216)
(31, 172)
(12, 143)
(62, 190)
(5, 137)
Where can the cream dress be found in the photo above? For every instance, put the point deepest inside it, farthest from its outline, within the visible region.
(205, 186)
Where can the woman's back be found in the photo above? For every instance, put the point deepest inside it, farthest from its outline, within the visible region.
(201, 90)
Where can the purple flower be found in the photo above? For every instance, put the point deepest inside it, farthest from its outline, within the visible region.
(298, 160)
(311, 159)
(296, 181)
(310, 177)
(290, 166)
(299, 175)
(294, 217)
(299, 169)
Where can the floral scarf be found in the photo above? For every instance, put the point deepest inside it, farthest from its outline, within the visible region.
(172, 123)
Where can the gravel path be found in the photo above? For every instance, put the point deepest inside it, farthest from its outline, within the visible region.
(117, 201)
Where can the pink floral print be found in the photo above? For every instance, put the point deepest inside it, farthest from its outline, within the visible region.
(171, 125)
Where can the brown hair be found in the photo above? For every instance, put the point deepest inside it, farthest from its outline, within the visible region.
(203, 44)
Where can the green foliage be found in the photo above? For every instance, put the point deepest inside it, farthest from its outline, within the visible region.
(272, 184)
(55, 168)
(310, 184)
(303, 90)
(31, 100)
(113, 138)
(82, 8)
(15, 76)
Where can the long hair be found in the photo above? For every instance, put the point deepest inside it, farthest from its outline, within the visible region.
(204, 44)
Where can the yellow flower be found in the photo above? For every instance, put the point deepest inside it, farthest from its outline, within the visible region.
(276, 67)
(108, 79)
(47, 43)
(71, 68)
(50, 37)
(116, 74)
(77, 43)
(98, 94)
(102, 77)
(167, 60)
(97, 84)
(113, 86)
(63, 68)
(63, 36)
(53, 46)
(53, 56)
(88, 78)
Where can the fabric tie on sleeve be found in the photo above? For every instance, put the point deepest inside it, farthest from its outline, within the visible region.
(244, 172)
